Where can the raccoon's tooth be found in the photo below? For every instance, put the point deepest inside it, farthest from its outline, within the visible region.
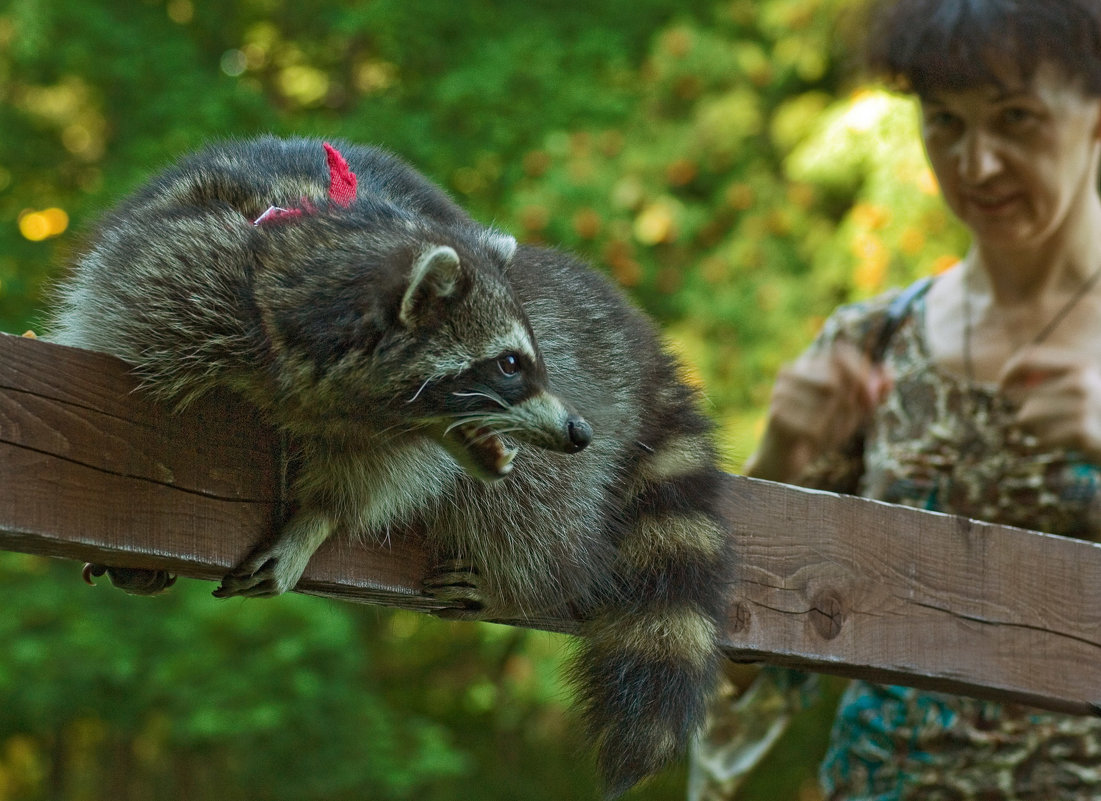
(504, 461)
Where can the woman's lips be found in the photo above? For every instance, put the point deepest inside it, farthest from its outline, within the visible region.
(993, 204)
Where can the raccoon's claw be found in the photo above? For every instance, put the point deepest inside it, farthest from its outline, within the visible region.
(91, 571)
(458, 584)
(258, 576)
(249, 582)
(270, 570)
(274, 567)
(136, 581)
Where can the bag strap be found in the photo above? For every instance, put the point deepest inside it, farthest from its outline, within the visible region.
(897, 312)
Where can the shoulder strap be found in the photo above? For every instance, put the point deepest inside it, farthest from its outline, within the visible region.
(897, 311)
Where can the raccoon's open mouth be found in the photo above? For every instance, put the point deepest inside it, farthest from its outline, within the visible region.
(480, 450)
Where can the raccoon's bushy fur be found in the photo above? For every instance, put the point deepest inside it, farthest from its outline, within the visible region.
(409, 353)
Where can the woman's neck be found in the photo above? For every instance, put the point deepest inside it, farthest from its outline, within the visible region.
(1011, 277)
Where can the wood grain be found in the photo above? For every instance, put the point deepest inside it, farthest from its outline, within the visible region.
(92, 470)
(865, 589)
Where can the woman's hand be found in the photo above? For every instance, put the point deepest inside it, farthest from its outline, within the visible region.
(1058, 394)
(818, 403)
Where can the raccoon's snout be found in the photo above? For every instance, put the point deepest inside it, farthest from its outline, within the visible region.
(485, 444)
(580, 434)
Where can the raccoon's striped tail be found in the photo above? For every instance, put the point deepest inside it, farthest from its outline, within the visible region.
(646, 668)
(646, 686)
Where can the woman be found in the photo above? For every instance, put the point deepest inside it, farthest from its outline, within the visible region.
(982, 397)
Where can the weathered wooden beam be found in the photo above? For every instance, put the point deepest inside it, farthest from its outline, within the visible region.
(869, 590)
(92, 470)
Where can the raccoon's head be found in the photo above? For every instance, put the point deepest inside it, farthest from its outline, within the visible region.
(393, 324)
(481, 383)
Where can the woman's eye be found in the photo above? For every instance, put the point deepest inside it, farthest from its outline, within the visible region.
(1016, 116)
(941, 119)
(509, 364)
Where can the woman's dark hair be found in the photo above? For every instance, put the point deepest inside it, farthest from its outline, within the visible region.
(922, 46)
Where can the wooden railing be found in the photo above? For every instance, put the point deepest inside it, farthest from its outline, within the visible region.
(92, 470)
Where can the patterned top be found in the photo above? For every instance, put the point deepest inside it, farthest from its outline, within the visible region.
(939, 443)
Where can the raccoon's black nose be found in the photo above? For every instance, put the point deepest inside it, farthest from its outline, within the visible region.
(581, 433)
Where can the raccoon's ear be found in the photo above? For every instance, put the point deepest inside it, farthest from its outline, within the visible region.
(435, 274)
(504, 244)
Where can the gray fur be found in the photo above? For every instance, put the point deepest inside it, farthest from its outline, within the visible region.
(382, 339)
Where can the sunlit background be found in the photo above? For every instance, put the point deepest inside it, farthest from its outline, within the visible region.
(720, 160)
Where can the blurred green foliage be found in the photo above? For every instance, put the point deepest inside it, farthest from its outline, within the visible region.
(716, 158)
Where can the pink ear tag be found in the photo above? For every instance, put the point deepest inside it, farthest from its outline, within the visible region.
(342, 181)
(343, 186)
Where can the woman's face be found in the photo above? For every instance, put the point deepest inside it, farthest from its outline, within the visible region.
(1014, 161)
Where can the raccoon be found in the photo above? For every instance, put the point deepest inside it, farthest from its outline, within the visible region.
(432, 375)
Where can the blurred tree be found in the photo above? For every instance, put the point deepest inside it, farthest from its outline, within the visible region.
(751, 190)
(718, 160)
(185, 698)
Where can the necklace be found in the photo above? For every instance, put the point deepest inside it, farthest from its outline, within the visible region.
(1045, 332)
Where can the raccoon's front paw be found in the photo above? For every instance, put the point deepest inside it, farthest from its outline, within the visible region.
(268, 571)
(457, 583)
(275, 567)
(136, 581)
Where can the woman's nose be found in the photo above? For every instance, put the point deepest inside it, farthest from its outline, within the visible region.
(979, 158)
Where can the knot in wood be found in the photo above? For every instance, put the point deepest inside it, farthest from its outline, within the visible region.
(827, 614)
(740, 618)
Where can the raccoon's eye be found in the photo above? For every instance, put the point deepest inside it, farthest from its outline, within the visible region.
(509, 364)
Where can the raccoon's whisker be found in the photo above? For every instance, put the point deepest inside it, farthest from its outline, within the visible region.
(490, 434)
(502, 426)
(458, 424)
(507, 429)
(487, 395)
(402, 427)
(417, 394)
(504, 417)
(493, 396)
(489, 425)
(475, 418)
